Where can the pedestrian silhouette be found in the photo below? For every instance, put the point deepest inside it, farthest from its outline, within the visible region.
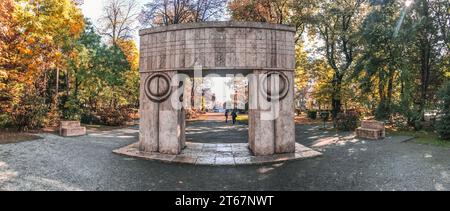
(234, 116)
(226, 116)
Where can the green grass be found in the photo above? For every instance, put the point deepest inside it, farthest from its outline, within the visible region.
(422, 137)
(242, 119)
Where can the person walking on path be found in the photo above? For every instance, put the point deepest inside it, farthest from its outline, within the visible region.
(226, 115)
(234, 116)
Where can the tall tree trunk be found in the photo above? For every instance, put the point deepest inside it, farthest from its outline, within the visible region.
(381, 109)
(336, 97)
(57, 88)
(75, 91)
(425, 48)
(389, 93)
(425, 78)
(67, 83)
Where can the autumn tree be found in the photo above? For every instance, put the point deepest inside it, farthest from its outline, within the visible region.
(106, 80)
(271, 11)
(39, 33)
(431, 47)
(379, 63)
(338, 23)
(119, 20)
(9, 76)
(130, 89)
(295, 13)
(404, 42)
(167, 12)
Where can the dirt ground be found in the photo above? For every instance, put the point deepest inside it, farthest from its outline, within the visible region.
(8, 137)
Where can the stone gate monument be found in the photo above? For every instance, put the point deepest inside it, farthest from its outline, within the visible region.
(265, 51)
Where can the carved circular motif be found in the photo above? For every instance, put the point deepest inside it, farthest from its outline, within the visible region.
(275, 86)
(157, 87)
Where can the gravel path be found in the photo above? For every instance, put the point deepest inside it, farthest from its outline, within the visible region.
(87, 163)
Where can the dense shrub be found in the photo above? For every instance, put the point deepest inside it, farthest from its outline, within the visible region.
(30, 113)
(347, 121)
(115, 117)
(5, 120)
(192, 113)
(90, 119)
(312, 114)
(382, 111)
(72, 110)
(443, 124)
(324, 115)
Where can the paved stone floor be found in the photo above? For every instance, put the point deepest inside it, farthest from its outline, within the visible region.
(218, 154)
(216, 132)
(87, 163)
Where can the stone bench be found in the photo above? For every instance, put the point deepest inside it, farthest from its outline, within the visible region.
(371, 130)
(71, 128)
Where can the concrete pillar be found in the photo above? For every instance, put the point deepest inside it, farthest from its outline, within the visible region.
(162, 121)
(285, 123)
(271, 120)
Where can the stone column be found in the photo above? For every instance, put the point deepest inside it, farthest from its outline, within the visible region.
(285, 123)
(161, 120)
(271, 116)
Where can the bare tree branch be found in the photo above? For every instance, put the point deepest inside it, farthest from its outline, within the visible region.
(166, 12)
(119, 19)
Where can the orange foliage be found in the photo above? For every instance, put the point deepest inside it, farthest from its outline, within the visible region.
(32, 39)
(130, 50)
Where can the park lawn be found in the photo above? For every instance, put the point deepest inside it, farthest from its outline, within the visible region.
(298, 120)
(422, 137)
(7, 137)
(242, 119)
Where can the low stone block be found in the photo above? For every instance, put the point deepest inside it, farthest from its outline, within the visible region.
(368, 133)
(371, 130)
(69, 124)
(73, 131)
(71, 128)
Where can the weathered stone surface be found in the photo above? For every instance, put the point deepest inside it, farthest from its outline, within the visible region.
(77, 131)
(271, 124)
(71, 128)
(66, 124)
(162, 124)
(371, 130)
(262, 131)
(73, 131)
(194, 154)
(218, 45)
(285, 123)
(224, 47)
(149, 121)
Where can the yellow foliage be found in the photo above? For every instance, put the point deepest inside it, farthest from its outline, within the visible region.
(31, 41)
(3, 74)
(131, 52)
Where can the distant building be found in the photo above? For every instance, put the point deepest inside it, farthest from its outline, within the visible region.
(209, 98)
(78, 2)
